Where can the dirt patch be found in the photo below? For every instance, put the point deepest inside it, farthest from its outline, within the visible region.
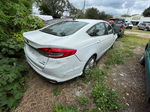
(129, 80)
(40, 96)
(143, 35)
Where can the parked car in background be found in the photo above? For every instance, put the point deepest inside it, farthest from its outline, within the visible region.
(68, 49)
(119, 26)
(147, 27)
(129, 26)
(145, 60)
(141, 26)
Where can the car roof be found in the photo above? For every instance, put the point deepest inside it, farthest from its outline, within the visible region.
(91, 21)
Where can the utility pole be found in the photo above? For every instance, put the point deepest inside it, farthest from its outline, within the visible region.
(128, 11)
(84, 6)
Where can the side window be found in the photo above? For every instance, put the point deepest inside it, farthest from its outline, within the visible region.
(109, 29)
(91, 32)
(101, 30)
(98, 30)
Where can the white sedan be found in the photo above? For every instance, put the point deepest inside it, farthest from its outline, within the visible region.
(67, 49)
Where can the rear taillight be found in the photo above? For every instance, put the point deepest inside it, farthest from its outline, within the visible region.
(122, 27)
(56, 52)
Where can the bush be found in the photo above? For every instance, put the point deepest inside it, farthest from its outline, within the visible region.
(11, 48)
(15, 19)
(11, 82)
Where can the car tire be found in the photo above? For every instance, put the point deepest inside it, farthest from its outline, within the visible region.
(89, 65)
(142, 60)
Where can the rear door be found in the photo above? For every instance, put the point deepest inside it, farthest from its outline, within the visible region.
(110, 35)
(100, 36)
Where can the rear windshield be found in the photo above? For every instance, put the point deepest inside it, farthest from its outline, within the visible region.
(64, 28)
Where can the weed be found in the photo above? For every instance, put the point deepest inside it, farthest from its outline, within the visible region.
(105, 98)
(83, 100)
(62, 108)
(57, 91)
(96, 75)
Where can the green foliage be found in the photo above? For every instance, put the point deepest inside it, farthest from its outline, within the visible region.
(146, 12)
(125, 15)
(118, 55)
(104, 16)
(135, 29)
(14, 21)
(80, 14)
(11, 82)
(105, 99)
(92, 13)
(56, 8)
(83, 100)
(57, 91)
(96, 75)
(11, 48)
(62, 108)
(134, 40)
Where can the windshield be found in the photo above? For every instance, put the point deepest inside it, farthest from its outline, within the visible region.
(64, 28)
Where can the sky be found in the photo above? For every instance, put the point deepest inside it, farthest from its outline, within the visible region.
(115, 7)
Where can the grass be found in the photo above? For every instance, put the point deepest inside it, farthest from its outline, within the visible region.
(133, 40)
(57, 91)
(135, 29)
(105, 99)
(62, 108)
(96, 75)
(120, 53)
(103, 96)
(83, 100)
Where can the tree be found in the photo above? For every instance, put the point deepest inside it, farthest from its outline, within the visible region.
(92, 13)
(56, 8)
(146, 12)
(125, 15)
(104, 16)
(80, 14)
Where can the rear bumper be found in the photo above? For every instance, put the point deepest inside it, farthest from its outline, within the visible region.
(58, 70)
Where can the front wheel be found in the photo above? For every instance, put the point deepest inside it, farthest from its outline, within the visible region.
(89, 65)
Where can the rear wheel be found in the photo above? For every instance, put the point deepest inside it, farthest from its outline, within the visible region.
(89, 65)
